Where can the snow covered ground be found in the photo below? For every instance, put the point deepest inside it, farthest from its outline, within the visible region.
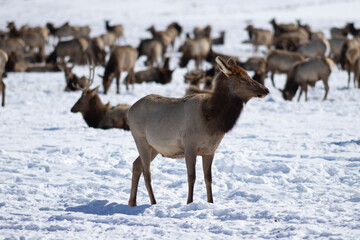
(287, 170)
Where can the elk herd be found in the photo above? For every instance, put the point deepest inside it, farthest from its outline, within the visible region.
(195, 124)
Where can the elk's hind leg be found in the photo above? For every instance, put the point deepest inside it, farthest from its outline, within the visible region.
(142, 164)
(207, 163)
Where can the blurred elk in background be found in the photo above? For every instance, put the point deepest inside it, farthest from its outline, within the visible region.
(118, 30)
(73, 82)
(75, 49)
(33, 37)
(306, 73)
(121, 59)
(162, 75)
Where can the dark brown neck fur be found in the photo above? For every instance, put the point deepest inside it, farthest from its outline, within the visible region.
(222, 110)
(95, 112)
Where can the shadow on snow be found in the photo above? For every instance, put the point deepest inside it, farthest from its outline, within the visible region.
(103, 207)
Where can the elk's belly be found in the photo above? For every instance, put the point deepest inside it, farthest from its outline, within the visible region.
(171, 148)
(175, 147)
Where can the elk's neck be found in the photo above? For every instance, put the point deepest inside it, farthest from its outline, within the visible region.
(222, 110)
(95, 112)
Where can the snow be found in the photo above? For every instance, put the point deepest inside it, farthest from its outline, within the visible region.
(287, 170)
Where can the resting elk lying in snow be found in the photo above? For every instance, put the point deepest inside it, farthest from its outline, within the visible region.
(98, 115)
(195, 80)
(121, 59)
(190, 126)
(73, 82)
(3, 60)
(159, 74)
(307, 73)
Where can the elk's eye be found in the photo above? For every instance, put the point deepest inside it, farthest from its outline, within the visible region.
(243, 79)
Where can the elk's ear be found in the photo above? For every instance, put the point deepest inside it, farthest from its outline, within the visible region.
(231, 61)
(94, 91)
(224, 67)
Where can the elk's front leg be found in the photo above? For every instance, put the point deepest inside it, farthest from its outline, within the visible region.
(118, 82)
(190, 158)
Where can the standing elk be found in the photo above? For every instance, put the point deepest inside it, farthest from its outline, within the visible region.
(283, 28)
(357, 73)
(96, 50)
(75, 49)
(117, 29)
(350, 52)
(162, 75)
(109, 39)
(197, 49)
(98, 115)
(153, 49)
(280, 61)
(307, 73)
(63, 31)
(67, 30)
(189, 127)
(13, 45)
(336, 45)
(33, 37)
(121, 59)
(340, 32)
(202, 32)
(259, 37)
(3, 60)
(168, 36)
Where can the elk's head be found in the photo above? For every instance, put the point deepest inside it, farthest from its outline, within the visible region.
(239, 83)
(288, 95)
(85, 100)
(107, 79)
